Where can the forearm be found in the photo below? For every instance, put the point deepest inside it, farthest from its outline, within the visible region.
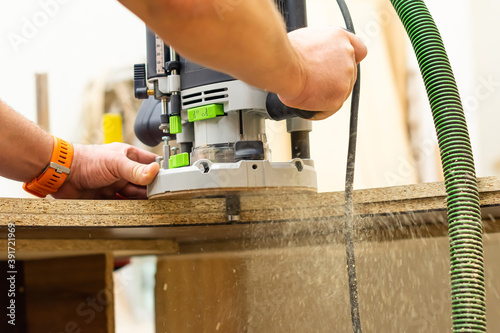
(25, 148)
(244, 38)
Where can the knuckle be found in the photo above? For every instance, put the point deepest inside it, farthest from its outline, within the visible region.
(127, 150)
(130, 152)
(338, 104)
(135, 169)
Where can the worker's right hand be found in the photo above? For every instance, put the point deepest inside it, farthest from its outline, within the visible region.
(328, 57)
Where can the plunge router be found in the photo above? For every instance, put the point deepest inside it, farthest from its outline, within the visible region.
(213, 126)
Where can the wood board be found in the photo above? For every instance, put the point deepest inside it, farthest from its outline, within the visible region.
(205, 220)
(31, 249)
(72, 294)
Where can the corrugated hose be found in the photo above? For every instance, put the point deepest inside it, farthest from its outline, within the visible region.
(464, 215)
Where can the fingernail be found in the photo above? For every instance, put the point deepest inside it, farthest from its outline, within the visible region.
(146, 170)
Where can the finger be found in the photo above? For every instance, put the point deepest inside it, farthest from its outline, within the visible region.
(320, 115)
(133, 153)
(360, 50)
(132, 191)
(134, 172)
(323, 115)
(139, 155)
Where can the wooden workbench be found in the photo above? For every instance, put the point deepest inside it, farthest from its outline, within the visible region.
(279, 268)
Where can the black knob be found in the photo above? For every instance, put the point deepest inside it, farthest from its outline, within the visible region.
(140, 86)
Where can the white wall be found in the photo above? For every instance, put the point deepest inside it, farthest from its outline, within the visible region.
(486, 46)
(75, 41)
(382, 149)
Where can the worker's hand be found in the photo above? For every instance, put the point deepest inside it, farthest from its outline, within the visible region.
(109, 171)
(328, 57)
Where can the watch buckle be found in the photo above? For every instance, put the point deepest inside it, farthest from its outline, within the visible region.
(59, 168)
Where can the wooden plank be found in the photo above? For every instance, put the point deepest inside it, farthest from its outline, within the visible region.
(197, 294)
(42, 101)
(205, 219)
(403, 286)
(29, 249)
(72, 294)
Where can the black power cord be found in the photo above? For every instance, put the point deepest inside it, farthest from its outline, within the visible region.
(349, 183)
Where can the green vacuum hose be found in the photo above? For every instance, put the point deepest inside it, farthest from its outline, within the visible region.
(464, 216)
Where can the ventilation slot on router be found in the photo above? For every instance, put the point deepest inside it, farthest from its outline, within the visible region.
(214, 91)
(193, 101)
(192, 95)
(205, 96)
(211, 98)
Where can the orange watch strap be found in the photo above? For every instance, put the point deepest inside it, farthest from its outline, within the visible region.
(55, 173)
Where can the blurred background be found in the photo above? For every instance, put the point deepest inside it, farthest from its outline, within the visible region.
(88, 48)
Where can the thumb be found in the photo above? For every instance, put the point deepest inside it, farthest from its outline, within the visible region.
(137, 173)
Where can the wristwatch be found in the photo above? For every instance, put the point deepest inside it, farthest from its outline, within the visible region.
(55, 173)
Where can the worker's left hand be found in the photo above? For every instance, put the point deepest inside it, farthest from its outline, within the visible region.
(108, 172)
